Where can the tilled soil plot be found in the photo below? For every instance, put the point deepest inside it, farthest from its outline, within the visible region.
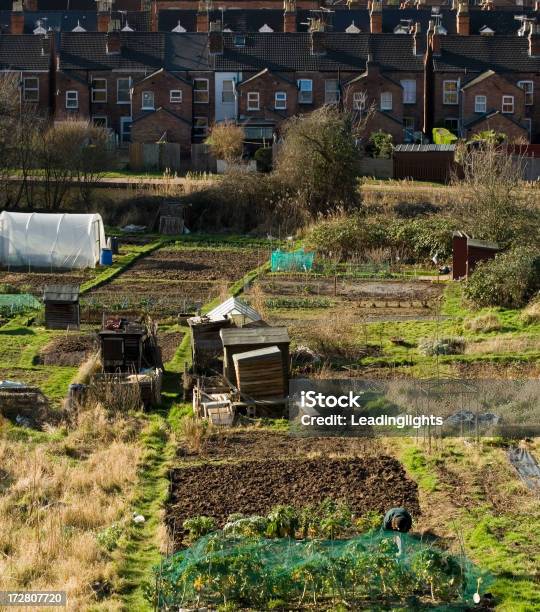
(35, 282)
(254, 487)
(168, 343)
(197, 264)
(68, 350)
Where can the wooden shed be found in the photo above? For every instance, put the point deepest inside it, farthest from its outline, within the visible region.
(62, 308)
(467, 252)
(206, 346)
(429, 162)
(247, 339)
(260, 373)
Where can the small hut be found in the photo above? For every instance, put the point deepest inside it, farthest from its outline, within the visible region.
(62, 308)
(250, 340)
(467, 252)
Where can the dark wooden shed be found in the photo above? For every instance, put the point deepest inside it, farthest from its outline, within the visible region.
(429, 162)
(206, 346)
(467, 252)
(62, 308)
(128, 346)
(247, 339)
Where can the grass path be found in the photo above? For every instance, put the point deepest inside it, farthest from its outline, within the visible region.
(140, 550)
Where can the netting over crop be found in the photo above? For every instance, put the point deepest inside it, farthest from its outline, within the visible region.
(295, 261)
(378, 567)
(11, 304)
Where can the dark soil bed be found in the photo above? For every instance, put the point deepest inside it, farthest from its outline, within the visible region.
(168, 343)
(254, 487)
(68, 350)
(197, 264)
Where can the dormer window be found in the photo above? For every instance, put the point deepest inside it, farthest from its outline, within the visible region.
(39, 29)
(352, 29)
(239, 40)
(78, 27)
(127, 28)
(485, 31)
(265, 29)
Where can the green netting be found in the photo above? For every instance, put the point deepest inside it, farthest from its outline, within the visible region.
(378, 568)
(295, 261)
(11, 304)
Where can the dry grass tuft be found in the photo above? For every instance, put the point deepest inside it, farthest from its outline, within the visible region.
(531, 313)
(484, 323)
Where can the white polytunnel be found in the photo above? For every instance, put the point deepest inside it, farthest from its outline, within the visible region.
(47, 240)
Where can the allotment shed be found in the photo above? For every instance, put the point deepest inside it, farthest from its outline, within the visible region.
(248, 339)
(62, 308)
(467, 252)
(429, 162)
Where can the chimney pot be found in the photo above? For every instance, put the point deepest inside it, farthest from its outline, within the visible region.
(289, 16)
(463, 20)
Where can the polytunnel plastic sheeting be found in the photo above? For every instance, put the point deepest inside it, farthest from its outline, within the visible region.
(41, 240)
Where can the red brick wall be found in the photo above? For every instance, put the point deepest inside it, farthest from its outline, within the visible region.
(493, 88)
(500, 123)
(267, 85)
(151, 127)
(162, 84)
(42, 106)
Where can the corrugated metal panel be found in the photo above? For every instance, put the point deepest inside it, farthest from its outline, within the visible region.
(233, 306)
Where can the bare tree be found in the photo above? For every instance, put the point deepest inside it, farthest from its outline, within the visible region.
(226, 141)
(494, 202)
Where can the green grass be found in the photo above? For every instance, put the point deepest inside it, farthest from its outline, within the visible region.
(420, 468)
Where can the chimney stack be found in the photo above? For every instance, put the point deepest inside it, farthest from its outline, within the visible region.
(534, 40)
(45, 45)
(215, 38)
(17, 18)
(419, 42)
(113, 44)
(375, 17)
(289, 16)
(434, 38)
(317, 43)
(203, 18)
(103, 22)
(463, 19)
(30, 5)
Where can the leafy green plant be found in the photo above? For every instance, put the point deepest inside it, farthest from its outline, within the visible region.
(369, 521)
(509, 280)
(380, 145)
(198, 526)
(108, 538)
(263, 157)
(283, 522)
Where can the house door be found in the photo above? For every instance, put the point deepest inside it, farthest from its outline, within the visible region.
(125, 130)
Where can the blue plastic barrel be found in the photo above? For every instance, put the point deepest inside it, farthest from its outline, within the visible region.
(106, 257)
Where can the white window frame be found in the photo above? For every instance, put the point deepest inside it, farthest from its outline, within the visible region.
(409, 91)
(359, 101)
(528, 88)
(27, 89)
(386, 101)
(99, 90)
(175, 96)
(280, 100)
(451, 97)
(128, 101)
(480, 103)
(145, 106)
(331, 94)
(74, 94)
(253, 101)
(305, 95)
(509, 102)
(204, 93)
(227, 96)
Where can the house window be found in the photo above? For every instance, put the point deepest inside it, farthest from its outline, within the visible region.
(450, 92)
(528, 88)
(31, 89)
(175, 96)
(280, 100)
(72, 99)
(200, 127)
(123, 90)
(408, 129)
(200, 91)
(125, 129)
(452, 125)
(239, 40)
(386, 101)
(306, 91)
(480, 104)
(99, 90)
(507, 105)
(253, 101)
(409, 91)
(259, 133)
(528, 125)
(359, 101)
(99, 121)
(147, 100)
(227, 92)
(331, 91)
